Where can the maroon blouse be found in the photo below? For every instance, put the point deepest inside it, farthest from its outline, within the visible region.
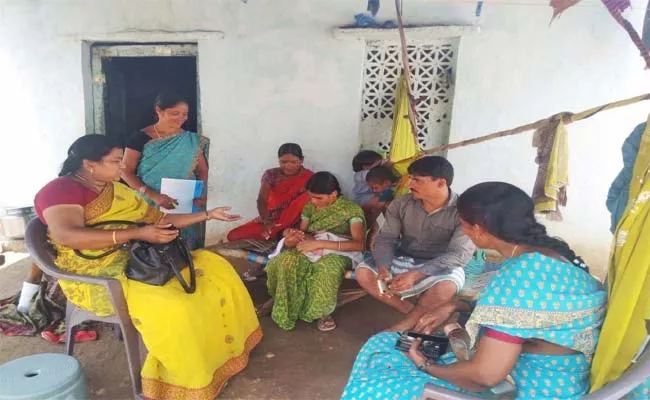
(62, 190)
(502, 337)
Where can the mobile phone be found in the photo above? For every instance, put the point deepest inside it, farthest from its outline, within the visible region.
(382, 286)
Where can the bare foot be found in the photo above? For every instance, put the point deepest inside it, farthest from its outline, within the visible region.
(265, 309)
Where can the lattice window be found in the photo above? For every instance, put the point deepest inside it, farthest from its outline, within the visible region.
(431, 65)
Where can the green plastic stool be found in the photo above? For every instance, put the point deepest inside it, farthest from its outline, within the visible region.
(43, 376)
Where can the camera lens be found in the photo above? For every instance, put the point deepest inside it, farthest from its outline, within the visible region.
(430, 349)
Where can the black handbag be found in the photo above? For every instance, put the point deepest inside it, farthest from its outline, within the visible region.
(153, 263)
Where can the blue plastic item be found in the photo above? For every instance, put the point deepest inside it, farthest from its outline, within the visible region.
(365, 20)
(257, 258)
(43, 376)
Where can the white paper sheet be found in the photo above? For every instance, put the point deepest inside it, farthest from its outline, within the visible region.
(184, 191)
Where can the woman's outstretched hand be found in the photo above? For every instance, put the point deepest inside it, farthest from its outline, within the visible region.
(220, 213)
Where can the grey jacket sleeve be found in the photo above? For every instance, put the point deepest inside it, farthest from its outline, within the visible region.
(388, 237)
(459, 252)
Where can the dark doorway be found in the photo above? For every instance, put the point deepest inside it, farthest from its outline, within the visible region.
(132, 84)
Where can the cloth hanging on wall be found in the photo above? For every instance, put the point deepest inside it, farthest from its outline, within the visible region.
(403, 146)
(549, 191)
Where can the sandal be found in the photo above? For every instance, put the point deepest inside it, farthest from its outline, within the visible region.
(84, 336)
(51, 337)
(79, 336)
(326, 324)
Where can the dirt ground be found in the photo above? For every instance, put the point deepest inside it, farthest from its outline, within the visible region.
(301, 364)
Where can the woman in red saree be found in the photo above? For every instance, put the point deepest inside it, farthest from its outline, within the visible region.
(281, 198)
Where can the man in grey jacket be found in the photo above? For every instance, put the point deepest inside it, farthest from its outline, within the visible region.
(420, 250)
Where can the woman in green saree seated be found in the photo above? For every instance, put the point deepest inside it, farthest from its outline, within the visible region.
(304, 289)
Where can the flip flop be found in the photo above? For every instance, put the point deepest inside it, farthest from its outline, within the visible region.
(84, 336)
(50, 337)
(326, 324)
(79, 336)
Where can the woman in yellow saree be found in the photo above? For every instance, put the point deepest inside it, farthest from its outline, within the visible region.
(196, 342)
(628, 313)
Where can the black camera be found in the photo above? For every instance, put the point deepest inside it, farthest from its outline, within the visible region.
(432, 346)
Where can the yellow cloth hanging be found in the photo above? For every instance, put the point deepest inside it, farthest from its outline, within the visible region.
(628, 279)
(552, 179)
(403, 147)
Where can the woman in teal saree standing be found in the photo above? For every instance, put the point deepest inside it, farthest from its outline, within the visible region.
(166, 150)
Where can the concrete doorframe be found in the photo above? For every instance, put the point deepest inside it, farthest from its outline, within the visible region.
(95, 79)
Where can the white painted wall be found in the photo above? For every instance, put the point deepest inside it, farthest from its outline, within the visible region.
(279, 75)
(519, 70)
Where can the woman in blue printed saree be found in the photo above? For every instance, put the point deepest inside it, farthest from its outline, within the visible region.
(166, 150)
(537, 320)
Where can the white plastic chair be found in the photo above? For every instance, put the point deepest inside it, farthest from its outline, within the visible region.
(43, 254)
(633, 377)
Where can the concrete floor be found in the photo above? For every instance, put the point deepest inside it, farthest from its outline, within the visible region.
(301, 364)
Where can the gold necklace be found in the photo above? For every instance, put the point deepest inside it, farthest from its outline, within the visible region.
(158, 136)
(88, 184)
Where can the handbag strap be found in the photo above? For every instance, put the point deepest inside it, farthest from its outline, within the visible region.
(113, 250)
(185, 251)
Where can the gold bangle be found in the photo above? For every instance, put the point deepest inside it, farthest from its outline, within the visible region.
(207, 216)
(114, 238)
